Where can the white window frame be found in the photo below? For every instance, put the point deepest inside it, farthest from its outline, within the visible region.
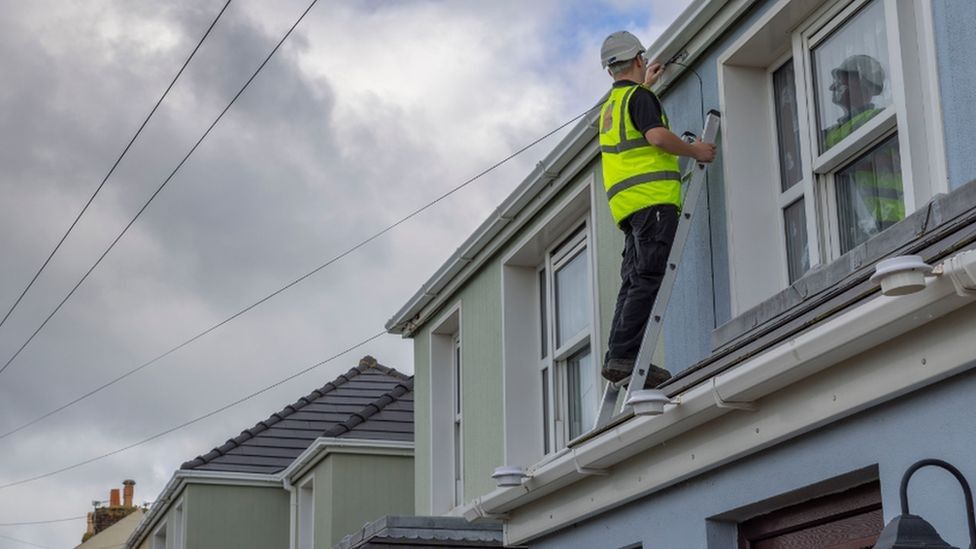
(912, 68)
(565, 248)
(522, 373)
(305, 525)
(444, 335)
(171, 533)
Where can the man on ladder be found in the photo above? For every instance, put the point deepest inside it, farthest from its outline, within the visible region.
(643, 183)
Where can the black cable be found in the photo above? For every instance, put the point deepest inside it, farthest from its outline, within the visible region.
(115, 165)
(196, 419)
(158, 190)
(297, 280)
(708, 199)
(50, 521)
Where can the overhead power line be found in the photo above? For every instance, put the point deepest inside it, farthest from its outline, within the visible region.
(158, 189)
(296, 281)
(196, 419)
(49, 521)
(114, 165)
(32, 544)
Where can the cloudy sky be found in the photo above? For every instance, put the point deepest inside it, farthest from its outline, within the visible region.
(369, 110)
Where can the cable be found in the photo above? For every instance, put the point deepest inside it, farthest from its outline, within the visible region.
(27, 523)
(196, 419)
(347, 252)
(159, 189)
(32, 544)
(115, 165)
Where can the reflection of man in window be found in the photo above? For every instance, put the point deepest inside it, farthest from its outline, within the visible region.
(856, 82)
(869, 190)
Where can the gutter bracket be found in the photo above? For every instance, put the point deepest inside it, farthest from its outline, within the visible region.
(733, 405)
(548, 174)
(588, 470)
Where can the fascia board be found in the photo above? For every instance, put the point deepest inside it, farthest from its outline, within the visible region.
(175, 486)
(852, 332)
(323, 446)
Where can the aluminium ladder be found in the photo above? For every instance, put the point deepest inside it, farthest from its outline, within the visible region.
(655, 323)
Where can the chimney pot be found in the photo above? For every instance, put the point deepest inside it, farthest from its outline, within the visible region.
(113, 498)
(128, 490)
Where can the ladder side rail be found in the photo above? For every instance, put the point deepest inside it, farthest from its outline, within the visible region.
(655, 323)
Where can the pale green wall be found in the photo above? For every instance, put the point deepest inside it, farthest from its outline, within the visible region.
(481, 329)
(353, 489)
(421, 422)
(236, 516)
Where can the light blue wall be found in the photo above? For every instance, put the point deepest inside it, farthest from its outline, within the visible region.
(701, 299)
(955, 35)
(927, 423)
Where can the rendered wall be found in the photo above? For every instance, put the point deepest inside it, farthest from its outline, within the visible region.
(933, 422)
(236, 516)
(353, 489)
(955, 35)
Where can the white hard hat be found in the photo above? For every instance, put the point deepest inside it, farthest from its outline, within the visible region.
(620, 46)
(865, 67)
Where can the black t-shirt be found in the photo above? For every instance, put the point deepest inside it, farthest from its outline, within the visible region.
(645, 109)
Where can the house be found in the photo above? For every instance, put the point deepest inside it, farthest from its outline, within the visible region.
(309, 474)
(801, 393)
(110, 525)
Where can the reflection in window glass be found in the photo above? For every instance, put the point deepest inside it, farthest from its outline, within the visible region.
(787, 126)
(797, 255)
(850, 69)
(582, 393)
(572, 298)
(869, 194)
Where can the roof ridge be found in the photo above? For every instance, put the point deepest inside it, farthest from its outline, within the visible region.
(365, 363)
(371, 409)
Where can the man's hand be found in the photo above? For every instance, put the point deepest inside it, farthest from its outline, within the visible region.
(703, 152)
(654, 71)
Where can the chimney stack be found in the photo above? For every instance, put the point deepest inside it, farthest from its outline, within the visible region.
(127, 492)
(113, 498)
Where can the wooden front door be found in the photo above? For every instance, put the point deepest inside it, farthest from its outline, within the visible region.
(847, 520)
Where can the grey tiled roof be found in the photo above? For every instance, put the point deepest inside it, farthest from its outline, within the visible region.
(369, 401)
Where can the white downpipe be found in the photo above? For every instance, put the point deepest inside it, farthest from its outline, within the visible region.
(292, 512)
(852, 332)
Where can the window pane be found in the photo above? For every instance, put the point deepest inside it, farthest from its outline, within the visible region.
(850, 70)
(545, 410)
(543, 321)
(869, 194)
(572, 298)
(582, 393)
(787, 126)
(797, 255)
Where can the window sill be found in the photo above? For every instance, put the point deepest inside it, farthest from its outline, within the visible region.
(938, 219)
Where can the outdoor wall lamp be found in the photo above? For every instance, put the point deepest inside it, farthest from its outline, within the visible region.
(907, 531)
(901, 275)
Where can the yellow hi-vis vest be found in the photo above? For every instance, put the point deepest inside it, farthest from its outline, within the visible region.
(636, 174)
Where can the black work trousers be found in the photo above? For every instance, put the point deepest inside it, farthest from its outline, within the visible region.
(648, 236)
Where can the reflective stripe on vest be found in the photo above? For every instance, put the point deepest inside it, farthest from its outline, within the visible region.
(636, 174)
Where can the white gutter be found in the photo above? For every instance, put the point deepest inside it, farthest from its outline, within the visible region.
(316, 452)
(852, 332)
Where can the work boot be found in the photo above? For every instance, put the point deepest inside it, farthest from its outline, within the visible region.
(615, 369)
